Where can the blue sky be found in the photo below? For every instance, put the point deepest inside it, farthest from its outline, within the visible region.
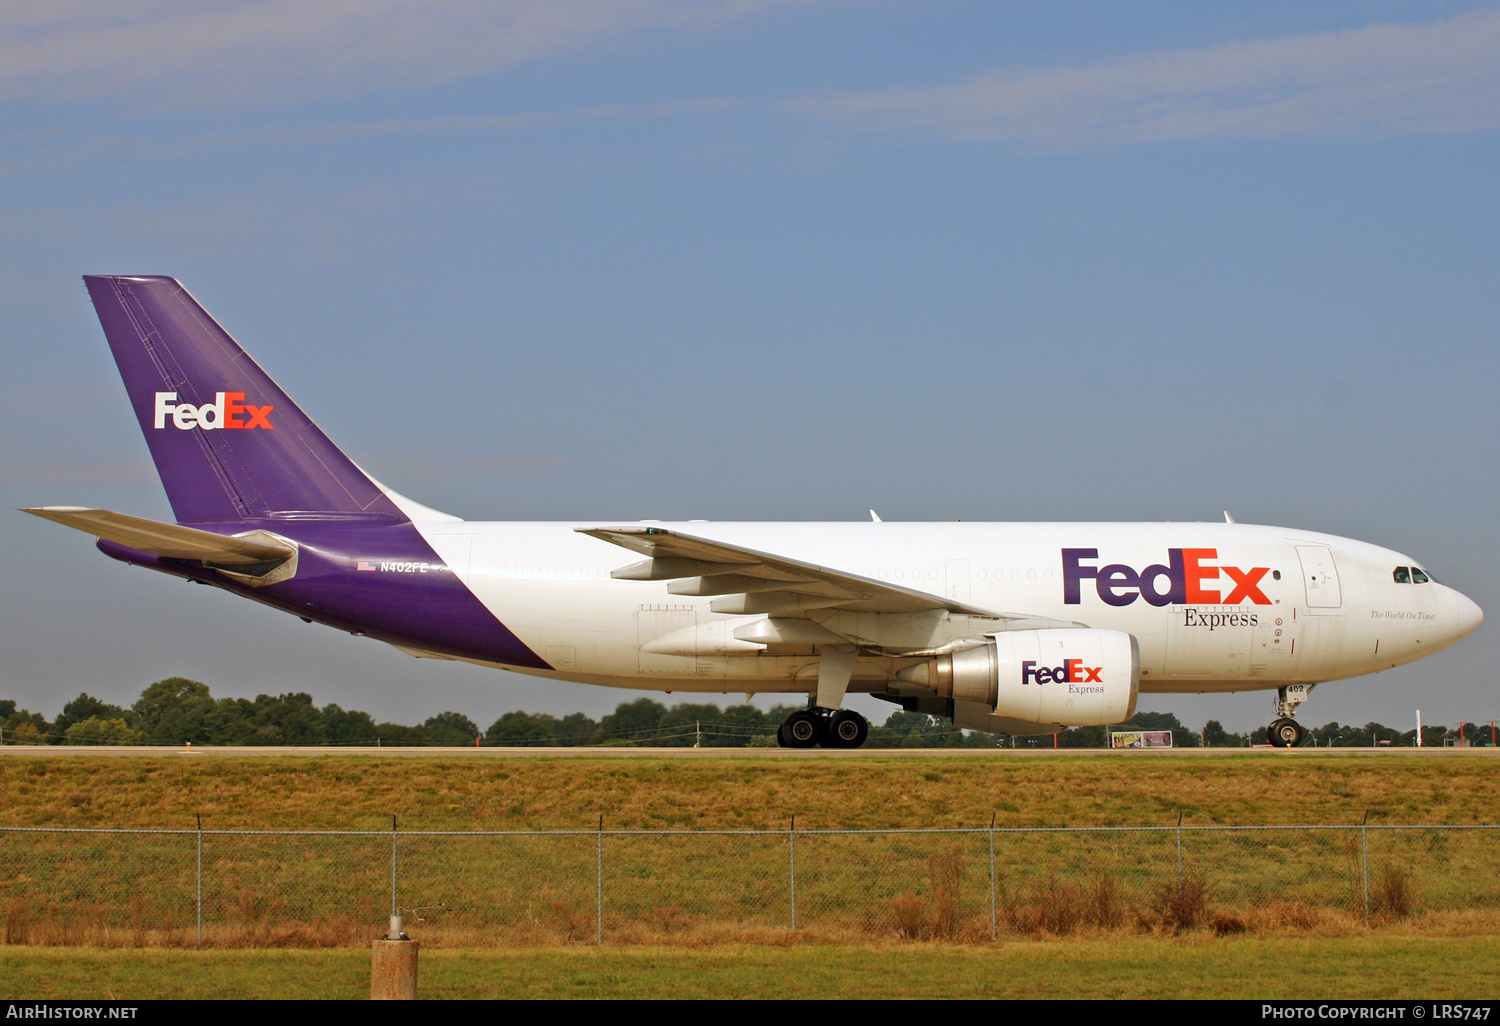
(760, 259)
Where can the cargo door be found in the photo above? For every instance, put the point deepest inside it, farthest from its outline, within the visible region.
(1320, 577)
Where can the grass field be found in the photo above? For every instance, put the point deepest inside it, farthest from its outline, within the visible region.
(1348, 968)
(1087, 915)
(447, 793)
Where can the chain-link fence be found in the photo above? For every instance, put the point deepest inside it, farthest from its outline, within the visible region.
(247, 888)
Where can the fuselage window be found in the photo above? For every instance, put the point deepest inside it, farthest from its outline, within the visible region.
(1417, 576)
(1403, 575)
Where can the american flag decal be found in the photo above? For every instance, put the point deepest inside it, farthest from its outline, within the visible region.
(366, 564)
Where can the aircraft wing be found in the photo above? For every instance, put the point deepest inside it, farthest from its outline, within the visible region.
(769, 583)
(167, 540)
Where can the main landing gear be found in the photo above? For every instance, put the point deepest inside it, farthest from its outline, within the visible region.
(823, 722)
(831, 728)
(1285, 732)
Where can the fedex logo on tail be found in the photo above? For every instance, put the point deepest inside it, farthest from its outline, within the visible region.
(1180, 580)
(226, 411)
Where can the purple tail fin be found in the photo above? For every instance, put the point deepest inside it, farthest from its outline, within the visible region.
(228, 443)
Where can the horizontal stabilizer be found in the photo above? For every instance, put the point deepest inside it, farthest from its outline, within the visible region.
(171, 541)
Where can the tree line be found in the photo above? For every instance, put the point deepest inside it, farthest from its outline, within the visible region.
(178, 710)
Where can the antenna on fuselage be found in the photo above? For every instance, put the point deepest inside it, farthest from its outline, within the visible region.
(1229, 519)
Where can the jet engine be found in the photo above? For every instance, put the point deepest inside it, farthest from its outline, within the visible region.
(1078, 676)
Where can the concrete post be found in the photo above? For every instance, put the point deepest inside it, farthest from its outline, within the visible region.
(393, 970)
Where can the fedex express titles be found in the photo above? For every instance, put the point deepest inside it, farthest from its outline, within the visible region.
(1185, 579)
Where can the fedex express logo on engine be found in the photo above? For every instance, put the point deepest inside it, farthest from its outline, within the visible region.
(1072, 672)
(1180, 580)
(226, 411)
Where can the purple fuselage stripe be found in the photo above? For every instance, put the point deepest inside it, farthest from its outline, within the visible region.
(399, 602)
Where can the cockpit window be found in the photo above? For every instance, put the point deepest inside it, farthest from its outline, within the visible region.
(1417, 576)
(1403, 575)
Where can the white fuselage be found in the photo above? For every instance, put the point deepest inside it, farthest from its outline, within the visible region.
(1316, 607)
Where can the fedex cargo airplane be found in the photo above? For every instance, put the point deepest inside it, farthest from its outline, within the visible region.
(1011, 628)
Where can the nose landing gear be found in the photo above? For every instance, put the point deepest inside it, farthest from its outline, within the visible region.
(1285, 732)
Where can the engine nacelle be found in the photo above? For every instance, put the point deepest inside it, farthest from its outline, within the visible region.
(1077, 676)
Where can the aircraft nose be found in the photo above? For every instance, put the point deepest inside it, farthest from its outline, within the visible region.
(1468, 615)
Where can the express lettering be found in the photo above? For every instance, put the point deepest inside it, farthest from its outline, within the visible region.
(226, 411)
(1180, 580)
(1198, 618)
(1072, 671)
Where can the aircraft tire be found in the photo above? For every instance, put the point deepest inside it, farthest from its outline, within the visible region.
(781, 736)
(802, 730)
(1284, 733)
(846, 729)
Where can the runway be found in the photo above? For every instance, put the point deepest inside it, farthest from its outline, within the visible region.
(268, 751)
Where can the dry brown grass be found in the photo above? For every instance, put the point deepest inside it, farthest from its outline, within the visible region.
(938, 916)
(446, 792)
(671, 926)
(1393, 895)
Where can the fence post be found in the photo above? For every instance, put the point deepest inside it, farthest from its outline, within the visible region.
(1179, 860)
(599, 882)
(394, 911)
(1364, 860)
(792, 836)
(994, 929)
(199, 942)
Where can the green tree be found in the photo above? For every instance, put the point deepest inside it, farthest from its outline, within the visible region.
(96, 731)
(400, 736)
(289, 719)
(517, 729)
(632, 722)
(451, 728)
(174, 710)
(21, 727)
(84, 707)
(348, 728)
(681, 724)
(577, 730)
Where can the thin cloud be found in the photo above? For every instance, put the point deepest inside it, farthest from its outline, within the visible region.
(1376, 81)
(298, 135)
(202, 52)
(149, 148)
